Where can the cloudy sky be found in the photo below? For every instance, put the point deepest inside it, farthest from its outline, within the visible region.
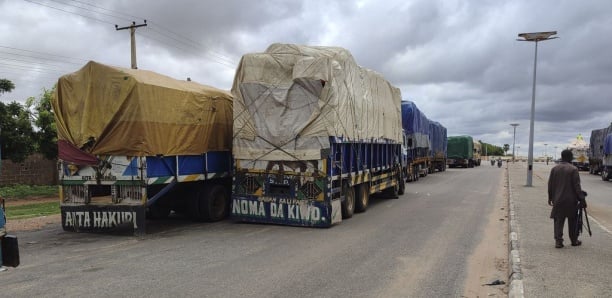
(459, 61)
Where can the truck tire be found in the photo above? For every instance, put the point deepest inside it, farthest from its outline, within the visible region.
(348, 204)
(402, 185)
(362, 198)
(214, 205)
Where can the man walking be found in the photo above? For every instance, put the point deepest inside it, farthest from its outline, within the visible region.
(564, 193)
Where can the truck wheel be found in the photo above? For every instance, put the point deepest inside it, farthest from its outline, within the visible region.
(348, 205)
(362, 199)
(214, 205)
(402, 185)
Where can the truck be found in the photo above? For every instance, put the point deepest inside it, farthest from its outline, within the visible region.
(606, 166)
(460, 152)
(315, 135)
(135, 144)
(418, 147)
(477, 153)
(438, 141)
(580, 150)
(595, 153)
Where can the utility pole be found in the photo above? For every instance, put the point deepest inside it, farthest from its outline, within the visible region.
(133, 39)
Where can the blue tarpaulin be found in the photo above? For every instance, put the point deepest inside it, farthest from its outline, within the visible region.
(415, 124)
(607, 145)
(438, 139)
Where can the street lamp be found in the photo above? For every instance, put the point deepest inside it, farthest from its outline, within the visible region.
(536, 37)
(546, 153)
(555, 152)
(514, 139)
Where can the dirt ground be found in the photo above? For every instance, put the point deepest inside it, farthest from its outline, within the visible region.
(489, 262)
(28, 224)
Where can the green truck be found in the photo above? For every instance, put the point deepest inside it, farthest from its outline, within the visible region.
(460, 152)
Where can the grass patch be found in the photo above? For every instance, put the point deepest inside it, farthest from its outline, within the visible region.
(20, 191)
(32, 210)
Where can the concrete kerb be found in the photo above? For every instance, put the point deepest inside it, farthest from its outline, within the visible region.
(514, 259)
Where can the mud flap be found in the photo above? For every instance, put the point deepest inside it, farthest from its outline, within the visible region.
(118, 219)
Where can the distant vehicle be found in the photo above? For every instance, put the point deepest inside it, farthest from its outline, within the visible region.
(460, 152)
(477, 153)
(606, 167)
(580, 150)
(596, 145)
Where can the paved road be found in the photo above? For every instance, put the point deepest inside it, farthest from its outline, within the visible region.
(416, 246)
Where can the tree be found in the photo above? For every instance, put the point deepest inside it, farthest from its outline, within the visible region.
(44, 119)
(16, 134)
(6, 86)
(506, 148)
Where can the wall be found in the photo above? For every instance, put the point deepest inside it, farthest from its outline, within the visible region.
(35, 170)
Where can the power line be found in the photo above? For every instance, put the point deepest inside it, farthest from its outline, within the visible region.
(47, 54)
(71, 12)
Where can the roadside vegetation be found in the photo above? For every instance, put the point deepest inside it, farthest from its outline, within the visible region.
(27, 191)
(26, 209)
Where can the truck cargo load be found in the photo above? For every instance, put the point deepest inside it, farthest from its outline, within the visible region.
(313, 131)
(134, 140)
(460, 151)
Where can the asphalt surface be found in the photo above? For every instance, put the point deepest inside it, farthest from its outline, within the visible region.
(583, 271)
(414, 246)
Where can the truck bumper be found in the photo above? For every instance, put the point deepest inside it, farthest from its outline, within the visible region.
(122, 219)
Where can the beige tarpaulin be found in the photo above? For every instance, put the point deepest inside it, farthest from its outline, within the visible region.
(290, 99)
(110, 110)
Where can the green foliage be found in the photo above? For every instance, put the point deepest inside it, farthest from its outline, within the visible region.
(32, 210)
(491, 150)
(16, 134)
(506, 148)
(44, 119)
(20, 191)
(6, 86)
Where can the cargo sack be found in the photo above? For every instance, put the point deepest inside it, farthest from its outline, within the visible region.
(10, 251)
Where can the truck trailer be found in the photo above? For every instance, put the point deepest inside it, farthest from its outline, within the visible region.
(606, 167)
(134, 143)
(438, 141)
(460, 152)
(580, 150)
(315, 135)
(596, 144)
(417, 130)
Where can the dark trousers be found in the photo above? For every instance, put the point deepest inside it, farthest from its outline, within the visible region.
(571, 222)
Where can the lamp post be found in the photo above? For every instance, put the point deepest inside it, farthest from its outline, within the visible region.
(555, 152)
(546, 153)
(514, 140)
(535, 37)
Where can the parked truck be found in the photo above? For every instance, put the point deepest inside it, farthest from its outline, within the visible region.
(477, 153)
(580, 150)
(134, 143)
(596, 144)
(438, 142)
(418, 146)
(606, 167)
(460, 152)
(314, 136)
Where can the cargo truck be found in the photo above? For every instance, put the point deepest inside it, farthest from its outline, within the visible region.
(477, 153)
(460, 152)
(417, 130)
(134, 143)
(580, 150)
(315, 135)
(606, 167)
(438, 142)
(595, 154)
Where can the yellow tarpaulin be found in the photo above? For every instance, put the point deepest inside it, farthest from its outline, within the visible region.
(107, 110)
